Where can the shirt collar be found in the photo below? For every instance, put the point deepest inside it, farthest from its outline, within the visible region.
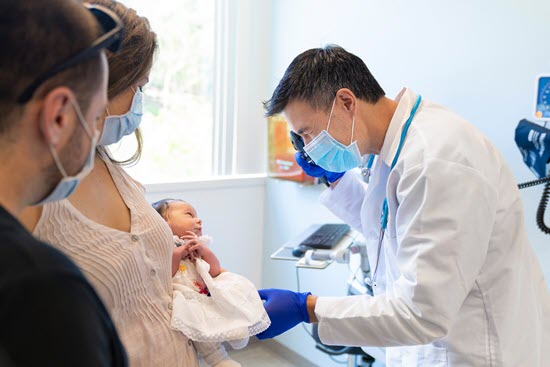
(405, 99)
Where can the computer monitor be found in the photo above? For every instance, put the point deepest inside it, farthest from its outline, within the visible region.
(542, 105)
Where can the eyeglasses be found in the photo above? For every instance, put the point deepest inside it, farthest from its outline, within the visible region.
(111, 40)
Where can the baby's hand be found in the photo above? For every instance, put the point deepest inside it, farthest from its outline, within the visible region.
(197, 248)
(180, 253)
(194, 245)
(189, 235)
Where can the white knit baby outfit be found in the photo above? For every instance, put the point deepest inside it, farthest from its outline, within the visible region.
(211, 310)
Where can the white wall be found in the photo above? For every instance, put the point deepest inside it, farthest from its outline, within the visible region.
(479, 58)
(232, 213)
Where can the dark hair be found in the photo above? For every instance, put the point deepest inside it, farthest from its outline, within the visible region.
(162, 206)
(132, 63)
(36, 35)
(317, 74)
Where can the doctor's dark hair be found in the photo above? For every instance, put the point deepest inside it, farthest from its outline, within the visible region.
(36, 35)
(317, 74)
(131, 64)
(163, 206)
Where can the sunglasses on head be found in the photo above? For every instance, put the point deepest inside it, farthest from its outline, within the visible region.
(110, 40)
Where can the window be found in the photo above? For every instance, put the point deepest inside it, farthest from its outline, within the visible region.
(179, 115)
(203, 113)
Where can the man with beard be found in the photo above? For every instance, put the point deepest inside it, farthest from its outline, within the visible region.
(53, 80)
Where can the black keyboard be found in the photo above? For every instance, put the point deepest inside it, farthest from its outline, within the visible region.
(326, 236)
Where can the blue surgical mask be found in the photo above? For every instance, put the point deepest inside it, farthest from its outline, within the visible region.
(68, 184)
(330, 154)
(118, 126)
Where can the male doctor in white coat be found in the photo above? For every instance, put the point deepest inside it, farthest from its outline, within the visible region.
(455, 280)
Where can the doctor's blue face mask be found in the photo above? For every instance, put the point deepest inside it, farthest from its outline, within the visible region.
(118, 126)
(330, 154)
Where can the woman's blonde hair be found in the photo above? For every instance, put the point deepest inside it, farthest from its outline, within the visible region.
(132, 63)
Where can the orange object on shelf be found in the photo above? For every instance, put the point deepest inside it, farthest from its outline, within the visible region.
(281, 152)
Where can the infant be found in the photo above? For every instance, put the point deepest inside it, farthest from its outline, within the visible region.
(210, 305)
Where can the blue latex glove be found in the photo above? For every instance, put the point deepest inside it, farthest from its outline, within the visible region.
(314, 170)
(285, 308)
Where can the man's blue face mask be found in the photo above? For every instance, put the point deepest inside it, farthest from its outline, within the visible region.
(534, 143)
(68, 184)
(331, 155)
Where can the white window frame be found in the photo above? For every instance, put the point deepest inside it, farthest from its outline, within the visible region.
(225, 93)
(241, 81)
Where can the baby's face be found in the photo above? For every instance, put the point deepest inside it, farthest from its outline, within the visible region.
(182, 217)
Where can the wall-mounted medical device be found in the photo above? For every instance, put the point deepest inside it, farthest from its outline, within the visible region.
(542, 104)
(533, 141)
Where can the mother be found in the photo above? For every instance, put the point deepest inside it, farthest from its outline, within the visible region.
(119, 241)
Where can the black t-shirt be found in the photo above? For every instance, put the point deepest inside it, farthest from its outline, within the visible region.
(49, 314)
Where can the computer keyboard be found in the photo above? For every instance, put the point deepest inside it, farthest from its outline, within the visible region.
(326, 236)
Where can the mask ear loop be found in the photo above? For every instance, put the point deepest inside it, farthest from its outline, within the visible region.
(57, 161)
(330, 116)
(82, 119)
(86, 130)
(352, 129)
(106, 109)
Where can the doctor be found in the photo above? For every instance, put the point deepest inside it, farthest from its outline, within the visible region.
(455, 280)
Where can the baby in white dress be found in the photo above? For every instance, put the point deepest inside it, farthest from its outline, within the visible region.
(210, 305)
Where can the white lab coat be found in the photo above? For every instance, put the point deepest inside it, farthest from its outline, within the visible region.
(458, 283)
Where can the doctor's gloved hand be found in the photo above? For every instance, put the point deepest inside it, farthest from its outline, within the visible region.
(285, 308)
(315, 171)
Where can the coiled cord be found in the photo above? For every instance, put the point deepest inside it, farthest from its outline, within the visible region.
(533, 183)
(543, 201)
(542, 208)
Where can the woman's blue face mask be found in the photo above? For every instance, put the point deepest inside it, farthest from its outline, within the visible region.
(118, 126)
(330, 154)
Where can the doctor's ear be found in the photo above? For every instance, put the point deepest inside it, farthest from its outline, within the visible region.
(345, 97)
(57, 116)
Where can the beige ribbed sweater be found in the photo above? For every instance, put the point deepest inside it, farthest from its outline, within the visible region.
(130, 271)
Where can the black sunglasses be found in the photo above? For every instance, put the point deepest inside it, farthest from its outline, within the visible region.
(111, 40)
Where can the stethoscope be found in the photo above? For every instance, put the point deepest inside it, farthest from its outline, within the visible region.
(366, 172)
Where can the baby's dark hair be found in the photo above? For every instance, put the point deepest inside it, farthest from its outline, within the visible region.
(163, 206)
